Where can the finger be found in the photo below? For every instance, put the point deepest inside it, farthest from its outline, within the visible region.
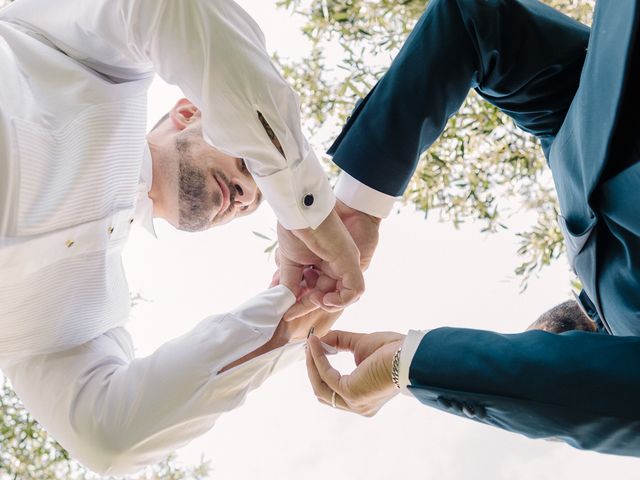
(328, 349)
(347, 291)
(321, 390)
(343, 341)
(290, 275)
(275, 280)
(316, 298)
(325, 283)
(328, 374)
(340, 404)
(340, 299)
(302, 307)
(311, 276)
(327, 308)
(324, 321)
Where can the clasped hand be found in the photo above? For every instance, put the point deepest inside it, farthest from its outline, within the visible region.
(323, 267)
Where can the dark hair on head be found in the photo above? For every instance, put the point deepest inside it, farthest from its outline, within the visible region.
(563, 318)
(166, 115)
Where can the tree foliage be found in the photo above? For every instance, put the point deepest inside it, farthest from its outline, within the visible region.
(482, 168)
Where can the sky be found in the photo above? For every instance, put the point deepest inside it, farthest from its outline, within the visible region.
(425, 274)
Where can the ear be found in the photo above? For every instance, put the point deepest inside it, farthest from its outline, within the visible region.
(183, 114)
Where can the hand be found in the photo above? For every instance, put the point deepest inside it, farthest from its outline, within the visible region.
(319, 320)
(331, 250)
(369, 386)
(363, 229)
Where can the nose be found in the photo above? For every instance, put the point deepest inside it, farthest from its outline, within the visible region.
(246, 190)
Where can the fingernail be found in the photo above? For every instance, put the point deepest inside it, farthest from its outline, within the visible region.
(329, 349)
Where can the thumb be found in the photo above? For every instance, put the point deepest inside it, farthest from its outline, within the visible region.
(343, 341)
(303, 306)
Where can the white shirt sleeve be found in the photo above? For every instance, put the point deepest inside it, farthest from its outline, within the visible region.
(359, 196)
(116, 413)
(409, 348)
(215, 52)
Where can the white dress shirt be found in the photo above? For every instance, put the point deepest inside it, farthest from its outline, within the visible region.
(116, 413)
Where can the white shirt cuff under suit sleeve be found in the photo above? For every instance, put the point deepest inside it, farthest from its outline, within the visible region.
(116, 413)
(215, 52)
(409, 348)
(359, 196)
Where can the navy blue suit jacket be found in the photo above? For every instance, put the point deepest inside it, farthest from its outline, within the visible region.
(568, 86)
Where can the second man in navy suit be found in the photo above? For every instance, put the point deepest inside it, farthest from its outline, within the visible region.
(576, 90)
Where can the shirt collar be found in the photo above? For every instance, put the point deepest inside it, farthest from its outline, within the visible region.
(144, 204)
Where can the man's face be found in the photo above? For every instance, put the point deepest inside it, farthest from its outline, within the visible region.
(212, 188)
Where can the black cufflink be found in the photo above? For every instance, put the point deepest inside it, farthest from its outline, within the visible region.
(308, 199)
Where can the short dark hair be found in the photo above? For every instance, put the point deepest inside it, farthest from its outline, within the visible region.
(563, 318)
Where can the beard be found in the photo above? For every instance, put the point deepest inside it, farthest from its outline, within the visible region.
(195, 203)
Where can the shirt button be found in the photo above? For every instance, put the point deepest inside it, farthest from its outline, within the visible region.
(110, 230)
(69, 243)
(308, 200)
(131, 220)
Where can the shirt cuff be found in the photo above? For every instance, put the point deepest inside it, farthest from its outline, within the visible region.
(359, 196)
(409, 348)
(300, 196)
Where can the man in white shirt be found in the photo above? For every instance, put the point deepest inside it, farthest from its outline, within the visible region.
(76, 171)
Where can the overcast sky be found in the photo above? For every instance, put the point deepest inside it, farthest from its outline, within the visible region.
(424, 275)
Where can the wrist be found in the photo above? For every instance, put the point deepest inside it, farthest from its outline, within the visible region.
(388, 356)
(344, 211)
(360, 196)
(395, 367)
(329, 238)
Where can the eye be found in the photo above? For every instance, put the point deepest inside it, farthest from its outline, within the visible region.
(243, 166)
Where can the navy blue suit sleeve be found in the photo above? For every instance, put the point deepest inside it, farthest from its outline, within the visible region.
(583, 388)
(520, 55)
